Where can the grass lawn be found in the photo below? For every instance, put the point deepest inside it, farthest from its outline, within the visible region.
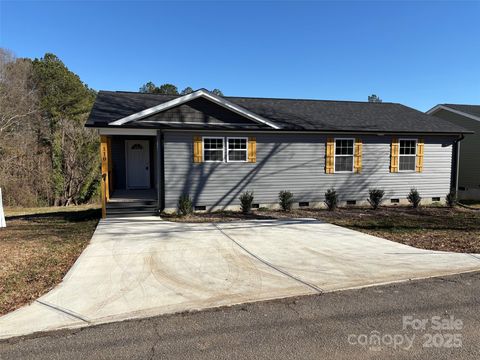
(38, 247)
(434, 228)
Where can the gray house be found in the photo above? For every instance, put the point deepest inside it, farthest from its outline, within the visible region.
(157, 147)
(467, 116)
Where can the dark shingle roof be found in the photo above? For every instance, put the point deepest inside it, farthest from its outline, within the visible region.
(469, 109)
(290, 114)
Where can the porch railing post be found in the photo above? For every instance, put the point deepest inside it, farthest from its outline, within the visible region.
(104, 197)
(104, 155)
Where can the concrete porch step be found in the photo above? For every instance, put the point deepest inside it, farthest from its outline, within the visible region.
(132, 204)
(131, 213)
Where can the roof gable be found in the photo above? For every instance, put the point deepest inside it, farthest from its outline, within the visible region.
(201, 112)
(470, 111)
(202, 93)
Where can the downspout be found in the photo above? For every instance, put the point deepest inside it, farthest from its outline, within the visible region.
(160, 171)
(158, 141)
(455, 164)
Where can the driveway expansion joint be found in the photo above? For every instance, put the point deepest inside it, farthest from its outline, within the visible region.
(265, 262)
(475, 256)
(63, 311)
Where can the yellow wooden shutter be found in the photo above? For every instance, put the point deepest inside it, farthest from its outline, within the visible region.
(357, 164)
(394, 155)
(329, 156)
(197, 149)
(420, 147)
(252, 150)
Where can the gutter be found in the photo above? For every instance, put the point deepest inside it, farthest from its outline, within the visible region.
(160, 171)
(282, 131)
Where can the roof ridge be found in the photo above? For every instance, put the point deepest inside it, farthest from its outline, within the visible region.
(447, 104)
(251, 97)
(300, 99)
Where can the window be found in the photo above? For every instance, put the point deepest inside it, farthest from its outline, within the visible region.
(344, 155)
(407, 155)
(237, 149)
(213, 149)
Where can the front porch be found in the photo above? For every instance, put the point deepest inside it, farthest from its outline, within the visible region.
(130, 174)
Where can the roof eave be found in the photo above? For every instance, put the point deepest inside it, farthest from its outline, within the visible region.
(330, 131)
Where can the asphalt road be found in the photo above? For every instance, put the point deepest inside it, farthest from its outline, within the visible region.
(334, 325)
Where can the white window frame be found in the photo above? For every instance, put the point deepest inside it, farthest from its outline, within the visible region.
(223, 149)
(246, 149)
(414, 155)
(335, 156)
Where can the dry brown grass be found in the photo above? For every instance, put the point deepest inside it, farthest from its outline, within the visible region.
(38, 247)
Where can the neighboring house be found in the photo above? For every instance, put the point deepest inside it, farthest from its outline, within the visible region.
(468, 117)
(157, 147)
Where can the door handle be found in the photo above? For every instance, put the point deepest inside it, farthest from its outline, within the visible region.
(146, 167)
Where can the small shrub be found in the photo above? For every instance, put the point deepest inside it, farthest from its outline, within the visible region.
(414, 198)
(375, 198)
(451, 198)
(246, 200)
(185, 205)
(331, 199)
(286, 200)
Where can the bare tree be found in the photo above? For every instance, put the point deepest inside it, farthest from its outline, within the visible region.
(24, 155)
(18, 97)
(79, 160)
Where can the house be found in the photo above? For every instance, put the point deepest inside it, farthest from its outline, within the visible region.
(468, 117)
(157, 147)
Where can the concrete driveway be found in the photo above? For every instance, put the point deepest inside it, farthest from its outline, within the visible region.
(144, 266)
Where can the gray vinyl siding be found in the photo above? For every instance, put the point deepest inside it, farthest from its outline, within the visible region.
(296, 162)
(469, 165)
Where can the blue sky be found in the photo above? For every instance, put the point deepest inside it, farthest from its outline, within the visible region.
(415, 53)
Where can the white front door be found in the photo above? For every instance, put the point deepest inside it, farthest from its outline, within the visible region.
(137, 164)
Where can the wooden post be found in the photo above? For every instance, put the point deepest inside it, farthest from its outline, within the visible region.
(105, 187)
(104, 199)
